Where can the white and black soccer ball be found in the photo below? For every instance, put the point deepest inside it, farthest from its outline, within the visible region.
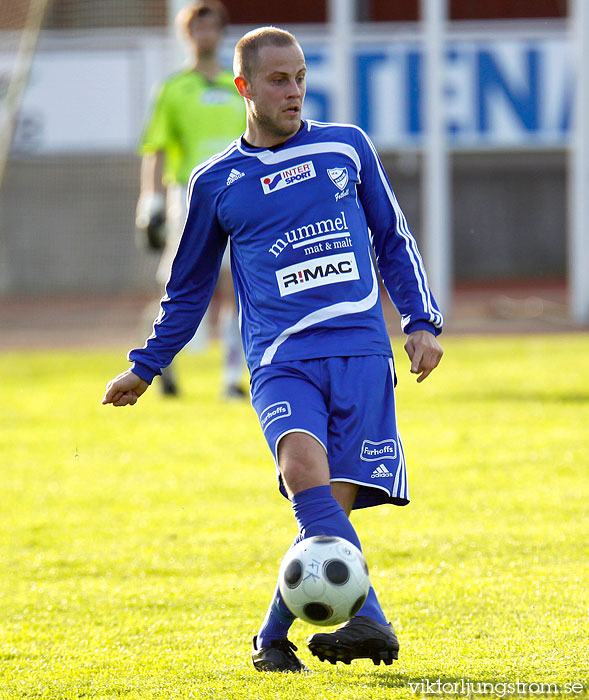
(324, 580)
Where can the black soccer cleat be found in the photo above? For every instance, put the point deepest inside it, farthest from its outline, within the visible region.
(359, 638)
(279, 657)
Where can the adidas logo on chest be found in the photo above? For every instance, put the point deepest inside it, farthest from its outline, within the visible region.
(234, 175)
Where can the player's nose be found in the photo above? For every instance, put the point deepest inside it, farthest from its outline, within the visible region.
(294, 89)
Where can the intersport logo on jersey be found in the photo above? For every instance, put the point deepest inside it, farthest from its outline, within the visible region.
(289, 176)
(316, 273)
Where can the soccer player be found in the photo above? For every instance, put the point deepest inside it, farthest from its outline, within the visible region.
(307, 207)
(196, 113)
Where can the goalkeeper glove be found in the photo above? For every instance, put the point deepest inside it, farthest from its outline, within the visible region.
(150, 221)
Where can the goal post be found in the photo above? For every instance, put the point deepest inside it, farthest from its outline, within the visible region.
(28, 36)
(578, 272)
(436, 178)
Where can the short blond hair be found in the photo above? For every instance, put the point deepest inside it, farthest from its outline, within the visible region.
(201, 8)
(246, 51)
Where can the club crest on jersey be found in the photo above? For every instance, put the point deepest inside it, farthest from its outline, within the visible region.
(287, 177)
(339, 177)
(316, 273)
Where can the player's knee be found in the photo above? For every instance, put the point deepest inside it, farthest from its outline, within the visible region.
(303, 462)
(299, 475)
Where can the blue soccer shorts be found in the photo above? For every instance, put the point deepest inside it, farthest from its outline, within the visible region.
(348, 405)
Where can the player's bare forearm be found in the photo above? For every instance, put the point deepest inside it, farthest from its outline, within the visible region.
(152, 169)
(424, 352)
(125, 389)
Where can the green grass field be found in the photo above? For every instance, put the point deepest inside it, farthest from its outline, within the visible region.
(139, 546)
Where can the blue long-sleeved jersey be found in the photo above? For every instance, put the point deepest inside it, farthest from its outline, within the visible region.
(303, 220)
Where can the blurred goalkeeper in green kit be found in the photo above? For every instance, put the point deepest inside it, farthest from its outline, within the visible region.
(197, 112)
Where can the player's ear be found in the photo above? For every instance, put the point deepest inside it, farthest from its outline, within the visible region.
(242, 87)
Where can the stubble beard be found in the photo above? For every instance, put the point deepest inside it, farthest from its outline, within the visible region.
(273, 127)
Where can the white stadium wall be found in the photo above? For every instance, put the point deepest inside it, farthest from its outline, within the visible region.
(500, 92)
(68, 200)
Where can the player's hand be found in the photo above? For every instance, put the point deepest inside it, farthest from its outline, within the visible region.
(125, 389)
(424, 352)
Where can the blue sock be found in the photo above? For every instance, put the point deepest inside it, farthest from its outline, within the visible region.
(317, 513)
